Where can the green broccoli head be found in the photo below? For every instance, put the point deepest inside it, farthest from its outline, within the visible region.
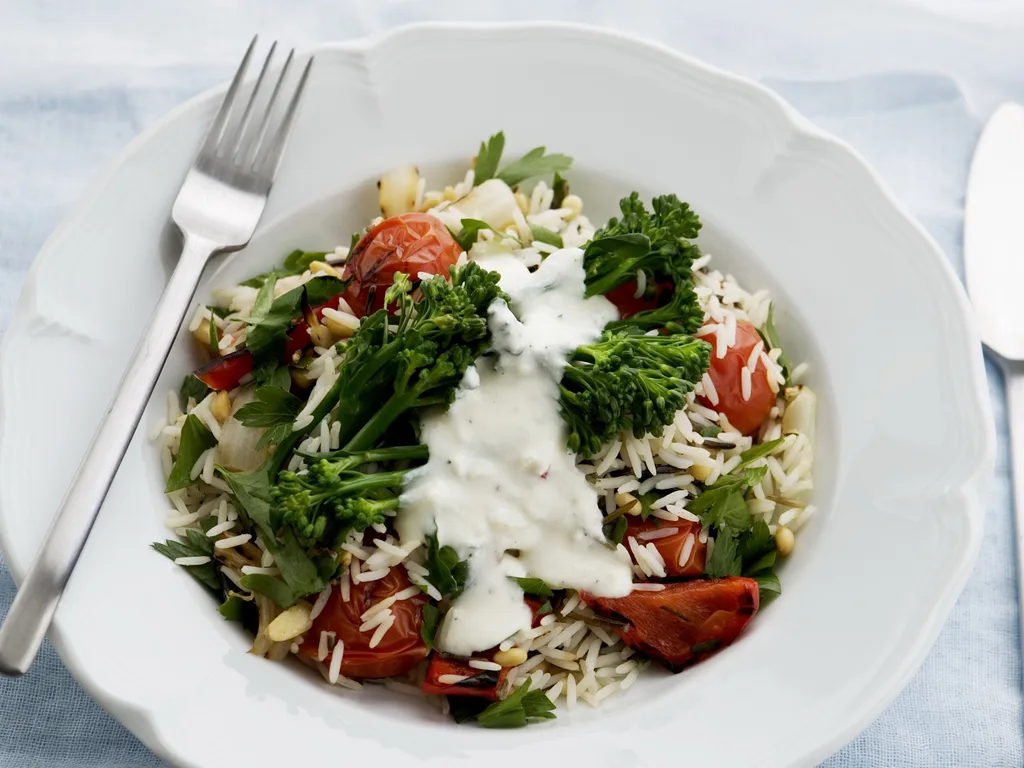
(332, 496)
(628, 381)
(657, 243)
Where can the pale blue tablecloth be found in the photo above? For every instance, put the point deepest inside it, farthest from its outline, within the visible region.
(908, 82)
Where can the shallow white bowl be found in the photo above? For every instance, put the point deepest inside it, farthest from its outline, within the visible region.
(863, 293)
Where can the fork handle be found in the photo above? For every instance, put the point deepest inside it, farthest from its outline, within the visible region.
(29, 618)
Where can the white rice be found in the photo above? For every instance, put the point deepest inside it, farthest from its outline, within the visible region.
(568, 656)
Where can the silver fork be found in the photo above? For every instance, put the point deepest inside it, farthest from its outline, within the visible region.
(217, 210)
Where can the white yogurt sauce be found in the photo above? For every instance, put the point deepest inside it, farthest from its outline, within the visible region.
(500, 486)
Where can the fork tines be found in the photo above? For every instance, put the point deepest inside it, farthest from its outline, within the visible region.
(235, 137)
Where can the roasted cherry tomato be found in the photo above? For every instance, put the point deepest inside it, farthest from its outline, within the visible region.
(686, 621)
(412, 243)
(225, 372)
(671, 547)
(475, 682)
(625, 299)
(402, 646)
(746, 415)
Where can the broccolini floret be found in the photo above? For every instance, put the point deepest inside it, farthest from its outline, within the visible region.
(414, 358)
(658, 243)
(628, 381)
(334, 496)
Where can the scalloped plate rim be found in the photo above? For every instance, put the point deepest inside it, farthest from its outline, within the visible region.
(970, 490)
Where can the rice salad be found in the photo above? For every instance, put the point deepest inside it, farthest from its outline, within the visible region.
(490, 452)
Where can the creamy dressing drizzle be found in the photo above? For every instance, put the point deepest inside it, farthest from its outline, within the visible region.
(500, 486)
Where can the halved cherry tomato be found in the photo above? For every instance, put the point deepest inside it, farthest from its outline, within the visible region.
(725, 372)
(402, 646)
(625, 299)
(686, 621)
(225, 372)
(477, 682)
(671, 547)
(411, 243)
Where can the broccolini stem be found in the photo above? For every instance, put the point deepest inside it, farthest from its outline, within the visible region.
(378, 424)
(377, 454)
(369, 482)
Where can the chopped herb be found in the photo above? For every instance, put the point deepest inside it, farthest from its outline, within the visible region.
(431, 618)
(274, 408)
(356, 237)
(272, 319)
(488, 157)
(517, 709)
(712, 431)
(561, 189)
(196, 545)
(221, 312)
(768, 585)
(728, 510)
(771, 339)
(322, 289)
(545, 235)
(252, 493)
(447, 572)
(618, 530)
(214, 340)
(533, 586)
(232, 608)
(708, 646)
(272, 587)
(757, 548)
(295, 263)
(195, 439)
(534, 163)
(758, 451)
(545, 608)
(470, 232)
(724, 560)
(194, 388)
(466, 708)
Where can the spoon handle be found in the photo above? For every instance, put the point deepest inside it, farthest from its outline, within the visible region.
(26, 623)
(1014, 378)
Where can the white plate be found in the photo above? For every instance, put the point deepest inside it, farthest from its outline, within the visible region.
(863, 294)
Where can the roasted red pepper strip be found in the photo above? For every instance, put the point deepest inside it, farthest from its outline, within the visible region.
(671, 547)
(685, 622)
(225, 372)
(477, 682)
